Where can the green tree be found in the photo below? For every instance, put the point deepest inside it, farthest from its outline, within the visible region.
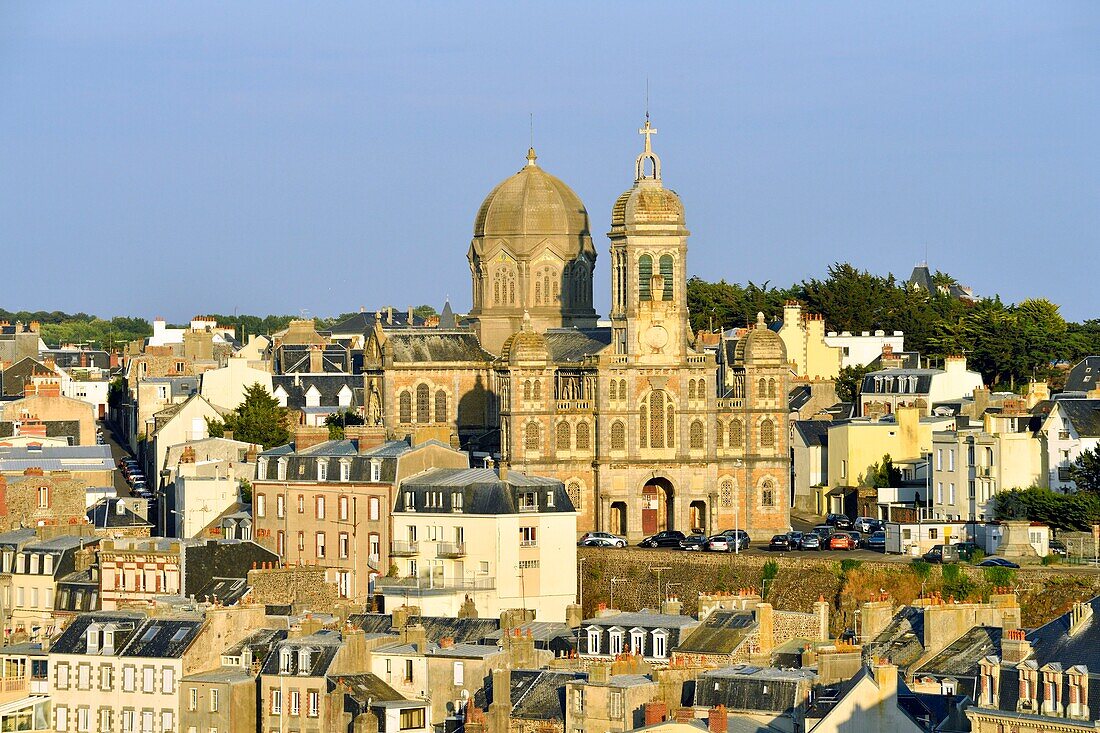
(258, 419)
(884, 474)
(1085, 471)
(848, 382)
(337, 421)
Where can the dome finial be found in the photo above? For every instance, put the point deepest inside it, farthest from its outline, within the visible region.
(527, 320)
(760, 320)
(647, 154)
(531, 157)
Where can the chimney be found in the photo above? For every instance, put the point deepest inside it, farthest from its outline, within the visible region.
(573, 616)
(316, 361)
(446, 642)
(765, 622)
(1015, 647)
(954, 364)
(886, 677)
(307, 437)
(502, 688)
(656, 712)
(417, 635)
(684, 715)
(503, 471)
(821, 610)
(717, 722)
(599, 673)
(672, 607)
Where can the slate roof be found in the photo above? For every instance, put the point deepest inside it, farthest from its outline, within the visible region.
(228, 591)
(569, 345)
(813, 432)
(363, 322)
(535, 694)
(364, 688)
(901, 642)
(260, 642)
(746, 687)
(323, 644)
(104, 515)
(223, 675)
(431, 649)
(57, 458)
(163, 638)
(68, 358)
(642, 619)
(296, 359)
(798, 397)
(720, 633)
(435, 345)
(961, 657)
(74, 639)
(462, 630)
(888, 381)
(302, 465)
(1052, 642)
(483, 491)
(921, 278)
(1084, 414)
(328, 386)
(1084, 375)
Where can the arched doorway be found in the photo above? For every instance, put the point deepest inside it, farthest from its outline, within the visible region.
(617, 520)
(658, 506)
(697, 516)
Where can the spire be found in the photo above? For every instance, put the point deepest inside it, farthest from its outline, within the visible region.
(648, 131)
(531, 157)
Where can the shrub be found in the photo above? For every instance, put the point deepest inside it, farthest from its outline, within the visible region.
(1051, 559)
(847, 566)
(1000, 576)
(955, 581)
(921, 568)
(977, 556)
(771, 570)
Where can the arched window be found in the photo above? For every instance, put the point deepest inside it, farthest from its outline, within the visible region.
(643, 423)
(536, 390)
(665, 266)
(691, 389)
(531, 438)
(767, 434)
(563, 435)
(573, 491)
(670, 425)
(657, 420)
(697, 435)
(440, 406)
(719, 434)
(618, 435)
(645, 274)
(405, 410)
(762, 388)
(504, 287)
(725, 492)
(583, 436)
(771, 388)
(737, 434)
(527, 390)
(622, 389)
(423, 414)
(767, 493)
(612, 390)
(658, 415)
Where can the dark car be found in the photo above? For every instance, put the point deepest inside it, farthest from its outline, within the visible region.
(966, 550)
(876, 541)
(795, 538)
(1057, 547)
(780, 542)
(810, 541)
(941, 554)
(823, 532)
(997, 562)
(668, 538)
(694, 543)
(838, 521)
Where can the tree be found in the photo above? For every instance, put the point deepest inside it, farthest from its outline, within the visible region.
(883, 474)
(848, 382)
(258, 419)
(1085, 471)
(337, 421)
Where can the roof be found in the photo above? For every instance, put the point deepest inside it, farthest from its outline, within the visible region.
(163, 638)
(432, 649)
(721, 632)
(528, 206)
(227, 675)
(104, 514)
(74, 639)
(921, 278)
(323, 646)
(363, 322)
(644, 618)
(227, 591)
(462, 630)
(535, 694)
(568, 345)
(435, 345)
(901, 642)
(961, 657)
(57, 458)
(1084, 376)
(483, 491)
(813, 432)
(747, 687)
(1053, 643)
(1084, 415)
(260, 642)
(328, 386)
(368, 688)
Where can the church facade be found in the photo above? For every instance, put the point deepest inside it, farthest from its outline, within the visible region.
(645, 431)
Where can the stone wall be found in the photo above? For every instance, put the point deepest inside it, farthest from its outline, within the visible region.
(303, 586)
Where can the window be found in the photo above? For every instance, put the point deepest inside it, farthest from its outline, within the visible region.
(295, 702)
(618, 435)
(168, 681)
(276, 702)
(320, 545)
(408, 671)
(459, 674)
(440, 406)
(771, 388)
(422, 414)
(105, 719)
(43, 497)
(301, 541)
(939, 459)
(527, 537)
(147, 679)
(660, 644)
(637, 641)
(313, 703)
(375, 470)
(951, 492)
(261, 505)
(320, 502)
(563, 434)
(593, 641)
(767, 493)
(63, 676)
(736, 431)
(615, 705)
(281, 470)
(615, 642)
(322, 470)
(128, 721)
(767, 434)
(583, 436)
(167, 721)
(612, 390)
(939, 492)
(950, 459)
(345, 471)
(412, 719)
(665, 266)
(280, 543)
(301, 503)
(645, 276)
(762, 388)
(404, 407)
(933, 534)
(697, 435)
(531, 438)
(343, 545)
(280, 506)
(61, 717)
(193, 698)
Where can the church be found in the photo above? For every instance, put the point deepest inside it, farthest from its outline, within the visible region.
(646, 431)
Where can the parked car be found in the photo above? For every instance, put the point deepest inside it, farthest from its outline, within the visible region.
(842, 541)
(876, 541)
(601, 539)
(1057, 547)
(796, 539)
(866, 525)
(943, 554)
(838, 521)
(823, 532)
(997, 562)
(966, 550)
(667, 538)
(741, 536)
(694, 542)
(810, 541)
(780, 543)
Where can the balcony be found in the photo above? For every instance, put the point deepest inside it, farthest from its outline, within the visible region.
(404, 549)
(983, 471)
(731, 403)
(1064, 474)
(526, 507)
(451, 549)
(574, 405)
(436, 585)
(1063, 435)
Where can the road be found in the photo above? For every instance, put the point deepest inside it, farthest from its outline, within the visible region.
(117, 451)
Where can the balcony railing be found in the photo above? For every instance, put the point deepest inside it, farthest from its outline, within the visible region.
(567, 405)
(404, 549)
(451, 549)
(731, 403)
(437, 584)
(1064, 474)
(1063, 435)
(984, 471)
(528, 507)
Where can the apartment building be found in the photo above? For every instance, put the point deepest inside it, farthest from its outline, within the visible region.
(1068, 428)
(31, 576)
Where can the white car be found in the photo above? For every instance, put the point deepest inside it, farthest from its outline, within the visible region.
(601, 539)
(866, 524)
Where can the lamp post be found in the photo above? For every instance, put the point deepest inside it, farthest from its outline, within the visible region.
(658, 571)
(736, 525)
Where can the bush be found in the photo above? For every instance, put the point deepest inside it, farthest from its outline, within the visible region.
(1051, 559)
(1000, 576)
(847, 566)
(955, 582)
(977, 556)
(921, 568)
(771, 570)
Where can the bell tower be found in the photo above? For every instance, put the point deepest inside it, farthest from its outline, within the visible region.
(649, 312)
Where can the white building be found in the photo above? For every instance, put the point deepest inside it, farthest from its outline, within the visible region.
(226, 387)
(504, 541)
(866, 347)
(1071, 428)
(203, 491)
(888, 389)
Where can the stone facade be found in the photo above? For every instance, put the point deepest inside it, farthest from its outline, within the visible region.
(53, 497)
(305, 586)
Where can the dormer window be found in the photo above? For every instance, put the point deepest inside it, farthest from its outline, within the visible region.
(93, 634)
(615, 642)
(345, 471)
(286, 659)
(322, 470)
(282, 469)
(660, 643)
(304, 665)
(593, 640)
(637, 641)
(375, 470)
(261, 467)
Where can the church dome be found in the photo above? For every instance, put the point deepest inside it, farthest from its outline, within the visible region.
(531, 203)
(761, 346)
(525, 346)
(648, 204)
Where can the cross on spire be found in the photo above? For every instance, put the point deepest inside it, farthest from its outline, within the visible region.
(647, 131)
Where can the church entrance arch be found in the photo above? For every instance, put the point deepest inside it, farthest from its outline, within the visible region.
(698, 516)
(618, 518)
(658, 506)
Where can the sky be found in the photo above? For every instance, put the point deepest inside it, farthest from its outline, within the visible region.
(169, 159)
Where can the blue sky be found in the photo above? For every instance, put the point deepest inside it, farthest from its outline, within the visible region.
(177, 158)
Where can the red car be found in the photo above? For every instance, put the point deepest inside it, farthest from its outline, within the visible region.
(842, 541)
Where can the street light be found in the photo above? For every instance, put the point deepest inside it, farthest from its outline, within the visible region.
(658, 571)
(736, 500)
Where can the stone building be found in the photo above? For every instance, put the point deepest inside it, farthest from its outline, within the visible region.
(50, 497)
(632, 418)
